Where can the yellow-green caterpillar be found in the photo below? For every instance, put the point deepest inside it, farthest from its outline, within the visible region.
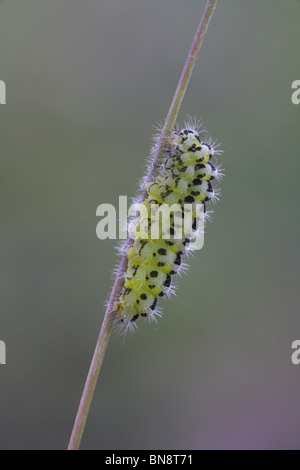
(185, 176)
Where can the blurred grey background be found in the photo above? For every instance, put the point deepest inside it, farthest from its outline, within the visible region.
(86, 82)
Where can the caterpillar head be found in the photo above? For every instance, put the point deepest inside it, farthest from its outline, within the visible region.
(189, 135)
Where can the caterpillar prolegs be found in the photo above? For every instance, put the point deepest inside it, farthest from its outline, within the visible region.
(185, 178)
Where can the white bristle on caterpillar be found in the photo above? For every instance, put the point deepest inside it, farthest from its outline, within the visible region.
(186, 175)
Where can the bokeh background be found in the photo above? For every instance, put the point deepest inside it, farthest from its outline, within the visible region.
(86, 82)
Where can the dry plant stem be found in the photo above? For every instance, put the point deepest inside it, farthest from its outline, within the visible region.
(107, 324)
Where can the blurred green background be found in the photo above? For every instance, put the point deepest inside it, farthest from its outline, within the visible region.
(86, 81)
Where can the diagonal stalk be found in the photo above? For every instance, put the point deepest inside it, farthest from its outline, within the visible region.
(91, 381)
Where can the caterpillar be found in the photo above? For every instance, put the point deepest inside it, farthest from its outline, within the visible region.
(184, 178)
